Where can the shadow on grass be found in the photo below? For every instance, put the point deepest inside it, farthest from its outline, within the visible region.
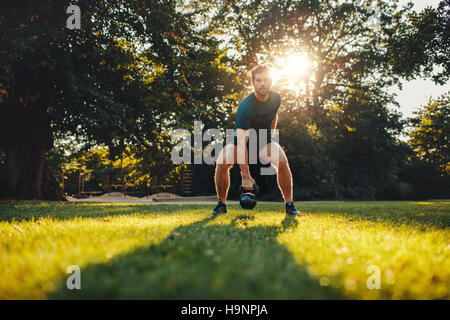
(202, 261)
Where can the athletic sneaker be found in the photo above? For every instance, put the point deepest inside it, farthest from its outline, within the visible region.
(290, 209)
(220, 208)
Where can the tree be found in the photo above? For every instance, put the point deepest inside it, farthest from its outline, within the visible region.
(430, 134)
(420, 44)
(134, 70)
(365, 147)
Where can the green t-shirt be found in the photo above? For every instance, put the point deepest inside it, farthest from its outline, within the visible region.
(255, 114)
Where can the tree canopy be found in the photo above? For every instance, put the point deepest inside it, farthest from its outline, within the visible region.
(134, 70)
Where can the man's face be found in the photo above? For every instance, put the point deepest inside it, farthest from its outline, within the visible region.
(262, 83)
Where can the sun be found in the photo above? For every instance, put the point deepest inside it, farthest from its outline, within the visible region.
(293, 69)
(296, 65)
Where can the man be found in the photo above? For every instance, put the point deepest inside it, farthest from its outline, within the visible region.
(259, 110)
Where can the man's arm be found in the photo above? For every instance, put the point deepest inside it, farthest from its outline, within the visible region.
(242, 126)
(242, 152)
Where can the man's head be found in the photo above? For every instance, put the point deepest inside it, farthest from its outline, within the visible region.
(261, 80)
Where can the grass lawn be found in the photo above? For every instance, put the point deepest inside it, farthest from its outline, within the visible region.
(181, 252)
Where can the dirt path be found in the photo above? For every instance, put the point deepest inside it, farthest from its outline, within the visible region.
(165, 198)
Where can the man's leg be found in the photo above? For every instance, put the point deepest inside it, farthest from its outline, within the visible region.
(273, 153)
(225, 161)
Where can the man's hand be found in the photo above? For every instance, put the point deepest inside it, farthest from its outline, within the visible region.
(247, 183)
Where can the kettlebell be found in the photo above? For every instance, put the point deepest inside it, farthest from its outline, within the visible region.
(248, 197)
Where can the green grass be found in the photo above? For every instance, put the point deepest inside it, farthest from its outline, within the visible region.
(181, 252)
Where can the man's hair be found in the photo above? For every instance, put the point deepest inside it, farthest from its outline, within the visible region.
(260, 68)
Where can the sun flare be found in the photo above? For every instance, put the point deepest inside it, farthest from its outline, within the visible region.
(293, 69)
(296, 65)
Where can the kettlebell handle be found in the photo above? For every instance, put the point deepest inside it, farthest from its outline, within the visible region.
(255, 190)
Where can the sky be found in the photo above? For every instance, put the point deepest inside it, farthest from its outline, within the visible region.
(416, 93)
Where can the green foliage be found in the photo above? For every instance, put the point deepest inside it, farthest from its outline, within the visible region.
(421, 181)
(420, 44)
(101, 169)
(430, 134)
(127, 69)
(132, 72)
(365, 147)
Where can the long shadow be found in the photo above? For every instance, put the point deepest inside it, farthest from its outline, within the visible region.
(204, 261)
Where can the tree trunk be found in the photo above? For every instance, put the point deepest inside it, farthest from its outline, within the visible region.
(25, 137)
(24, 171)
